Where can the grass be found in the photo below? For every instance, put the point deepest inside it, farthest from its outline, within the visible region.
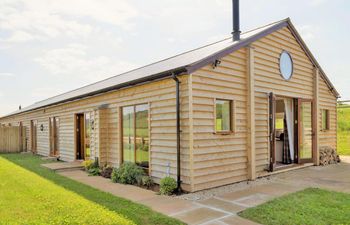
(343, 131)
(310, 206)
(29, 192)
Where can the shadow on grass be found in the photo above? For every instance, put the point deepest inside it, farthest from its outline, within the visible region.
(140, 214)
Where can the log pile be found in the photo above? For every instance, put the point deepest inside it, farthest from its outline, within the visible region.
(328, 155)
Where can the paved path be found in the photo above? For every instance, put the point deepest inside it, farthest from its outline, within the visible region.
(222, 208)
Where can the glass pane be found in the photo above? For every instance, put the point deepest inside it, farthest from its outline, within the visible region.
(142, 136)
(324, 119)
(306, 131)
(87, 135)
(128, 134)
(223, 122)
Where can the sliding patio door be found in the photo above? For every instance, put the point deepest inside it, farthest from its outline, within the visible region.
(305, 127)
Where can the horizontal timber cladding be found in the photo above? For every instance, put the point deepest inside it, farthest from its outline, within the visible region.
(329, 102)
(219, 159)
(106, 135)
(301, 85)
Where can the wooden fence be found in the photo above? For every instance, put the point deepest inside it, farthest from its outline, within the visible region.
(12, 139)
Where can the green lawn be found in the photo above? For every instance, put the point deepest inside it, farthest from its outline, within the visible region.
(31, 194)
(310, 206)
(343, 132)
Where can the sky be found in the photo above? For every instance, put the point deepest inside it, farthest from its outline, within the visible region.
(53, 46)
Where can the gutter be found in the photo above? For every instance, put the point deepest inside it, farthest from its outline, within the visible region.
(178, 132)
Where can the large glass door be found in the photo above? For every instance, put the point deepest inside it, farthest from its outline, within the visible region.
(305, 131)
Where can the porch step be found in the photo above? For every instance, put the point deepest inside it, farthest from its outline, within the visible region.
(63, 166)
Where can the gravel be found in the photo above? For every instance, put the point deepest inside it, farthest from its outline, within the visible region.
(209, 193)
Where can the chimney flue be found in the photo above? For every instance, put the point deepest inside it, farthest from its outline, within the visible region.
(236, 33)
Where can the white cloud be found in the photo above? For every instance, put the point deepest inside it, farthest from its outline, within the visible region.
(28, 20)
(74, 60)
(307, 32)
(317, 2)
(5, 74)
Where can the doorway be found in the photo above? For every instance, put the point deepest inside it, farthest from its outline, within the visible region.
(291, 131)
(33, 132)
(53, 129)
(79, 136)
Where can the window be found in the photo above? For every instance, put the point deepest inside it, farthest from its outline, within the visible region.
(325, 119)
(135, 128)
(223, 118)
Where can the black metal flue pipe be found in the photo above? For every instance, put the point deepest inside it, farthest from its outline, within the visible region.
(236, 33)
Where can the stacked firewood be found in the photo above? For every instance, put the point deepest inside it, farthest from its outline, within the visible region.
(328, 155)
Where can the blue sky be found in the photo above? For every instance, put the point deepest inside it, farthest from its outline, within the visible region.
(49, 47)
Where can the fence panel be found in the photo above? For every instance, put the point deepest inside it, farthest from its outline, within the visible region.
(12, 139)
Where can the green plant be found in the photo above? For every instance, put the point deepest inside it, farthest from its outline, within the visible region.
(147, 181)
(87, 164)
(167, 186)
(127, 173)
(94, 171)
(106, 171)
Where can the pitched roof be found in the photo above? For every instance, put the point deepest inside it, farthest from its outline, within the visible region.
(184, 63)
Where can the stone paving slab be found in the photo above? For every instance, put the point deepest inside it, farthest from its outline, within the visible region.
(201, 215)
(236, 220)
(222, 205)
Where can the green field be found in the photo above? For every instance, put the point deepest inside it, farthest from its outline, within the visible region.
(31, 194)
(310, 206)
(343, 132)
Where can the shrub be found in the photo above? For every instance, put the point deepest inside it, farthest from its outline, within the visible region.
(167, 186)
(91, 166)
(87, 164)
(106, 171)
(94, 171)
(127, 173)
(147, 181)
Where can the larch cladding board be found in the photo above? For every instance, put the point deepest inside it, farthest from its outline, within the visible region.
(219, 159)
(160, 95)
(329, 102)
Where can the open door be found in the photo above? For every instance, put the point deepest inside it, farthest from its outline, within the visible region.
(33, 132)
(79, 135)
(272, 119)
(54, 123)
(305, 130)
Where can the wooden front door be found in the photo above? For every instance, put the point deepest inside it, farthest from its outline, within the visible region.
(33, 132)
(305, 130)
(53, 128)
(79, 126)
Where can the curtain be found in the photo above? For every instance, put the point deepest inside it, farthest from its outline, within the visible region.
(286, 157)
(288, 108)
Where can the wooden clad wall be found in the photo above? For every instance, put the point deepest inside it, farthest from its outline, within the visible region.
(106, 135)
(219, 159)
(268, 79)
(327, 101)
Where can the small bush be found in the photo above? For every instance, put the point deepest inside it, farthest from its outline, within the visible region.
(167, 186)
(87, 164)
(147, 181)
(106, 171)
(94, 171)
(91, 166)
(127, 173)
